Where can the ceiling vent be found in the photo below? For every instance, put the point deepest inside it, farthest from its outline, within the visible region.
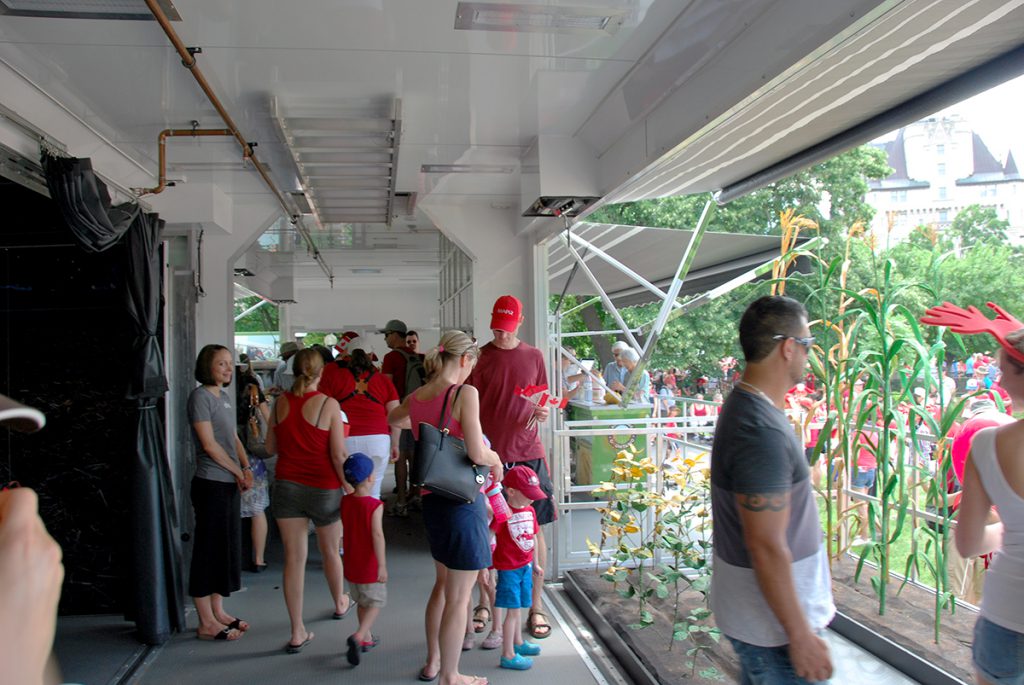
(130, 10)
(516, 18)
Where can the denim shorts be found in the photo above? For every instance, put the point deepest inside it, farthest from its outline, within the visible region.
(998, 653)
(865, 478)
(515, 588)
(766, 665)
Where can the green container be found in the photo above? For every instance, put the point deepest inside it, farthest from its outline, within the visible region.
(594, 455)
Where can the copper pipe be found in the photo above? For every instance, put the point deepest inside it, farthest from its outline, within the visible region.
(162, 147)
(189, 62)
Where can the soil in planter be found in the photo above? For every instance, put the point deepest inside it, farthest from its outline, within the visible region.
(651, 645)
(908, 621)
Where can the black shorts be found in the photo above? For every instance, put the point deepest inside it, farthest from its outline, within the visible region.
(545, 508)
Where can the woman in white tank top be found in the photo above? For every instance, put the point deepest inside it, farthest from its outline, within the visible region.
(994, 476)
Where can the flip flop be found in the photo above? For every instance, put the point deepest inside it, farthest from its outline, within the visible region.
(425, 678)
(480, 624)
(538, 629)
(295, 649)
(224, 635)
(338, 616)
(239, 624)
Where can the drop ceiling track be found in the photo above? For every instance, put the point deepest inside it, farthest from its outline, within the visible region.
(188, 60)
(346, 162)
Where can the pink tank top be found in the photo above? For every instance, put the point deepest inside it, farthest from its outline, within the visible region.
(429, 411)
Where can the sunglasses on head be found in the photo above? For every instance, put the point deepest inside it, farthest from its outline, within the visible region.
(806, 342)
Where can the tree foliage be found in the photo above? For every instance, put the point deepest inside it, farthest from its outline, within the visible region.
(260, 320)
(976, 224)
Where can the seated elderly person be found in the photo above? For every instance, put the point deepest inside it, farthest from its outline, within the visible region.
(615, 372)
(629, 358)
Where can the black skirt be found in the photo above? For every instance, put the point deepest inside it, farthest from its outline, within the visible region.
(217, 541)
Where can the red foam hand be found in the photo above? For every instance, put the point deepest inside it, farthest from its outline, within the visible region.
(972, 320)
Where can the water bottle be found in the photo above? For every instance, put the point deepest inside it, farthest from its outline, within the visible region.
(498, 504)
(588, 389)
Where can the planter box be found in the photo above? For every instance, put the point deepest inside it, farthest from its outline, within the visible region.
(903, 638)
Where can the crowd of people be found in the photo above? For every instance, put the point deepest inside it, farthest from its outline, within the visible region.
(770, 586)
(314, 448)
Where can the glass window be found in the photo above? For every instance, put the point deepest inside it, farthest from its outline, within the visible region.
(940, 149)
(943, 216)
(942, 168)
(942, 192)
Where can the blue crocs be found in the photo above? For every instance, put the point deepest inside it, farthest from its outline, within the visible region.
(528, 649)
(517, 663)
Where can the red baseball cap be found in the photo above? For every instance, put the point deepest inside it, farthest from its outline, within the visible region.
(506, 314)
(525, 480)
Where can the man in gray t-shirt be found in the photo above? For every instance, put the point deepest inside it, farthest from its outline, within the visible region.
(771, 591)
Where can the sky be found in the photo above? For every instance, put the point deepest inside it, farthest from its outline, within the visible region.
(995, 115)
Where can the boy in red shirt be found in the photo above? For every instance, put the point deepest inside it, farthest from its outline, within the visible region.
(365, 570)
(513, 558)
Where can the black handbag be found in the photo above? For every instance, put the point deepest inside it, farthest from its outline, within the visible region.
(441, 463)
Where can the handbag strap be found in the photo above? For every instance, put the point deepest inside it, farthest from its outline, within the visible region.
(442, 424)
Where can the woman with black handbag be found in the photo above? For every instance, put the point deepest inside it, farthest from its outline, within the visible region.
(457, 529)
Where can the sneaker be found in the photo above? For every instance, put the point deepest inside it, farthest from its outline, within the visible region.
(352, 654)
(517, 663)
(528, 649)
(492, 641)
(468, 643)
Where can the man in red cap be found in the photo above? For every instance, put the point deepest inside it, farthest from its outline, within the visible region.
(510, 421)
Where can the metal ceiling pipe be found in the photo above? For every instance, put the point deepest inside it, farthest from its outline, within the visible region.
(188, 60)
(162, 155)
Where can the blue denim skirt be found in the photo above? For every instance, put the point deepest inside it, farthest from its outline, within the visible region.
(458, 534)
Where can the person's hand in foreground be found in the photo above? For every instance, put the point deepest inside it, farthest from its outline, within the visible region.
(31, 574)
(811, 658)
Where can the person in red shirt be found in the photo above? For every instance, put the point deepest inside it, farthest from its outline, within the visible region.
(515, 563)
(507, 364)
(366, 397)
(366, 570)
(307, 435)
(394, 367)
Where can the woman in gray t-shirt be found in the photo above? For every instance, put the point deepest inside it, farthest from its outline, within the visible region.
(222, 472)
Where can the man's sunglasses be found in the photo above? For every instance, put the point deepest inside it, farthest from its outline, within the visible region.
(806, 342)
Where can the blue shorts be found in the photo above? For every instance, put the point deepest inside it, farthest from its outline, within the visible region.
(766, 665)
(864, 478)
(998, 653)
(515, 588)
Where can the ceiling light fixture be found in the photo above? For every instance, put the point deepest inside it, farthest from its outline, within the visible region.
(467, 169)
(516, 18)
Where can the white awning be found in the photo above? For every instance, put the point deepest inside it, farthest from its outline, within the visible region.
(653, 253)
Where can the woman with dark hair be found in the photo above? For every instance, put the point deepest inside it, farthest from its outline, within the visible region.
(307, 434)
(222, 472)
(458, 533)
(366, 397)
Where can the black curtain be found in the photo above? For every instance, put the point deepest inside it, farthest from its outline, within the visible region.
(156, 585)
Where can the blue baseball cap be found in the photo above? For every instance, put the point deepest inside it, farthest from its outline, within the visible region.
(358, 468)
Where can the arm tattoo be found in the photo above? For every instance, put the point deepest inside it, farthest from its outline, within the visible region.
(772, 501)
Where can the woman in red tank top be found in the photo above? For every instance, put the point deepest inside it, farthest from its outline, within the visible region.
(458, 534)
(307, 433)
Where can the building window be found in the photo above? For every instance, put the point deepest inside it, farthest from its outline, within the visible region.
(940, 149)
(942, 168)
(992, 191)
(943, 216)
(901, 196)
(942, 192)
